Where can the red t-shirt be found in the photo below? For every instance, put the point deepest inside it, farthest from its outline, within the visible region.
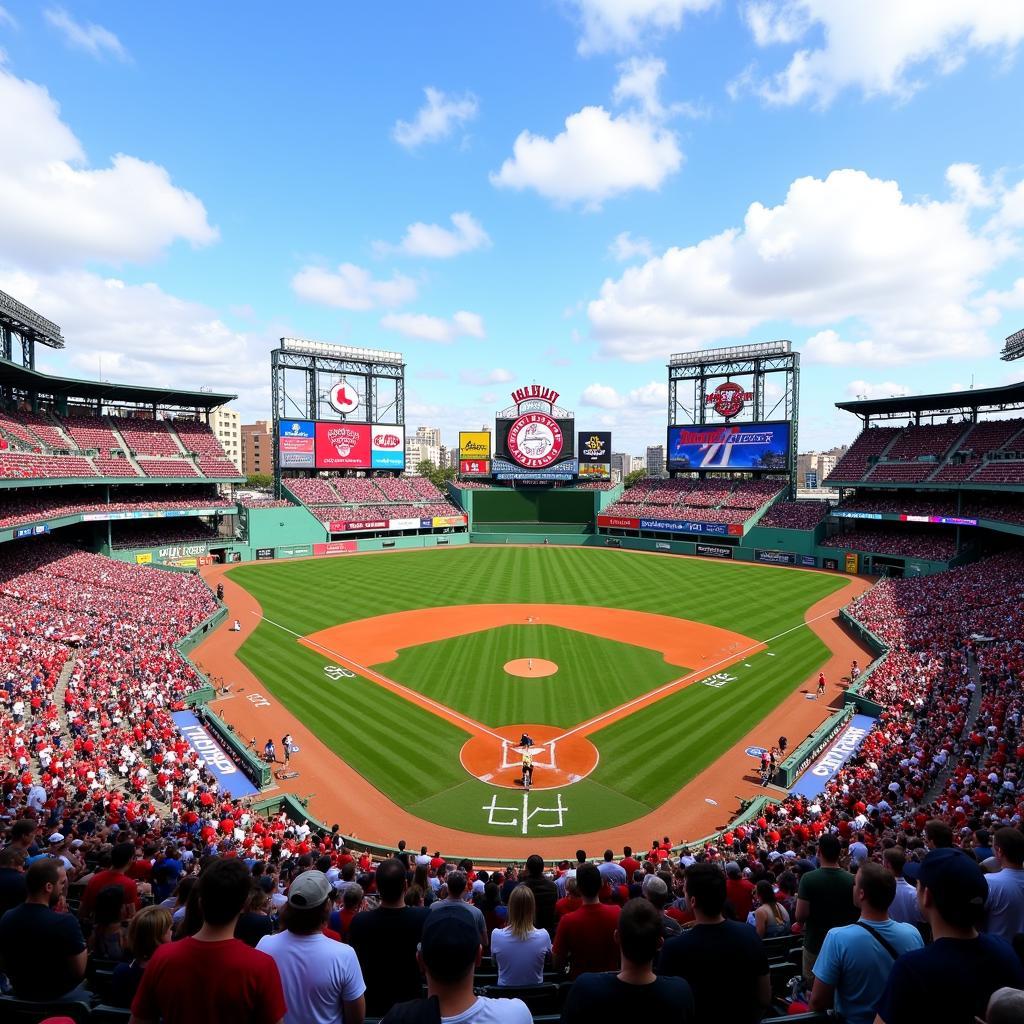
(740, 894)
(101, 880)
(629, 865)
(586, 939)
(194, 982)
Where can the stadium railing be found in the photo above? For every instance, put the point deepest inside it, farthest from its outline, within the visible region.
(881, 650)
(251, 763)
(804, 753)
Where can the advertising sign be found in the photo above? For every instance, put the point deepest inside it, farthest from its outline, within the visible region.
(662, 545)
(387, 447)
(813, 782)
(474, 467)
(714, 550)
(169, 513)
(809, 560)
(439, 521)
(335, 547)
(295, 551)
(851, 562)
(231, 779)
(595, 446)
(729, 446)
(344, 398)
(676, 526)
(621, 522)
(339, 526)
(775, 557)
(475, 444)
(595, 471)
(262, 553)
(144, 558)
(32, 531)
(404, 524)
(296, 443)
(830, 563)
(535, 440)
(728, 399)
(343, 445)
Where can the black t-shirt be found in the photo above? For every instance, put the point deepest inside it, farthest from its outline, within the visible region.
(12, 889)
(723, 963)
(35, 944)
(951, 980)
(545, 896)
(385, 941)
(595, 998)
(251, 927)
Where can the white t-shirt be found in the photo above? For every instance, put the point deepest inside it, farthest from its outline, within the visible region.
(491, 1011)
(318, 974)
(520, 961)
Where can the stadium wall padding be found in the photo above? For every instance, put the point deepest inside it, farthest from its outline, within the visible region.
(534, 506)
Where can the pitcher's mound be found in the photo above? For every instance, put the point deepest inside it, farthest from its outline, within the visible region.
(531, 668)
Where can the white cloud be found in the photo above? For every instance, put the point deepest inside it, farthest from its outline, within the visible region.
(598, 156)
(639, 81)
(887, 389)
(480, 378)
(352, 287)
(55, 211)
(653, 394)
(624, 24)
(625, 248)
(432, 241)
(968, 185)
(846, 248)
(880, 47)
(436, 119)
(601, 395)
(435, 328)
(92, 39)
(6, 18)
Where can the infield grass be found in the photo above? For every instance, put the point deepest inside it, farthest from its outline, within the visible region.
(413, 756)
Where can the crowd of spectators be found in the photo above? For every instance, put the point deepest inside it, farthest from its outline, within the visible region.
(152, 533)
(795, 515)
(709, 500)
(937, 545)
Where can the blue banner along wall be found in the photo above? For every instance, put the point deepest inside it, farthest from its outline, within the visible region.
(230, 777)
(813, 781)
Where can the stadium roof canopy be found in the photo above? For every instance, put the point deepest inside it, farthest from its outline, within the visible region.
(21, 378)
(1001, 399)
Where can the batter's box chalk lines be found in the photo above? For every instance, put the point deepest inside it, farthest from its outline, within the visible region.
(557, 814)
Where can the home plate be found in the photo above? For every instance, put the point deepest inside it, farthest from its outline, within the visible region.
(487, 777)
(708, 800)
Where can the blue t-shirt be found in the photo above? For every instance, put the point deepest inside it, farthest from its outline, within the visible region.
(951, 980)
(857, 965)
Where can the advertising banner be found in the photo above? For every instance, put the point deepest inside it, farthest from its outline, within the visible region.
(403, 524)
(535, 441)
(264, 553)
(813, 781)
(474, 467)
(335, 547)
(809, 560)
(899, 517)
(295, 551)
(32, 531)
(729, 446)
(342, 445)
(674, 526)
(620, 522)
(387, 447)
(595, 471)
(439, 521)
(594, 447)
(830, 563)
(170, 513)
(851, 562)
(662, 545)
(296, 443)
(475, 444)
(231, 779)
(775, 557)
(144, 558)
(714, 551)
(337, 526)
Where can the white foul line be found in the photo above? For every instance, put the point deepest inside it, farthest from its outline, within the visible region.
(674, 684)
(412, 695)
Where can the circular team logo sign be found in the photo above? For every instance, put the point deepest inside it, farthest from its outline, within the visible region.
(343, 397)
(728, 399)
(535, 440)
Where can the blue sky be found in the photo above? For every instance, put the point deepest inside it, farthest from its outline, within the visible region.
(562, 192)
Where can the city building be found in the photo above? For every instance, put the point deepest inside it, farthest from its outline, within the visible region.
(813, 467)
(655, 460)
(620, 466)
(227, 425)
(637, 462)
(257, 448)
(424, 445)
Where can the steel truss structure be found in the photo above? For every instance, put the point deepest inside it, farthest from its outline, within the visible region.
(18, 321)
(303, 372)
(769, 370)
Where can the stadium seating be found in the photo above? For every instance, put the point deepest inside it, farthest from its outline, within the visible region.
(147, 436)
(900, 541)
(23, 466)
(167, 467)
(91, 432)
(311, 490)
(114, 465)
(795, 515)
(157, 533)
(869, 444)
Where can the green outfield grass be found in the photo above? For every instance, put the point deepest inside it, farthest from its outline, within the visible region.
(413, 756)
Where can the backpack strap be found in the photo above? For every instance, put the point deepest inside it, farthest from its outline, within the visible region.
(883, 942)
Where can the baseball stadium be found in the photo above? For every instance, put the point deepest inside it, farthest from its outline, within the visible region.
(529, 660)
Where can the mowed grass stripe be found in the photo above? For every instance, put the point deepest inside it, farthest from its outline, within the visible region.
(467, 673)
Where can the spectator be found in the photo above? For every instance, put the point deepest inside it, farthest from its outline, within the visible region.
(255, 921)
(519, 949)
(938, 835)
(614, 874)
(320, 977)
(824, 901)
(12, 878)
(723, 961)
(121, 858)
(450, 951)
(953, 978)
(771, 919)
(1005, 1007)
(385, 941)
(107, 938)
(585, 939)
(655, 890)
(148, 929)
(855, 960)
(454, 903)
(545, 894)
(211, 977)
(42, 951)
(635, 992)
(739, 892)
(904, 907)
(1004, 908)
(570, 901)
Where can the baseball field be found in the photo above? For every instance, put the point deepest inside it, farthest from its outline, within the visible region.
(420, 670)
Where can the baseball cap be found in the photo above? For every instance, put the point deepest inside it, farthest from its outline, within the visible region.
(955, 879)
(56, 838)
(732, 869)
(449, 943)
(654, 886)
(309, 889)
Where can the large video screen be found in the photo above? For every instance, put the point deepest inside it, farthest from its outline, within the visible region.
(296, 444)
(359, 446)
(534, 446)
(729, 446)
